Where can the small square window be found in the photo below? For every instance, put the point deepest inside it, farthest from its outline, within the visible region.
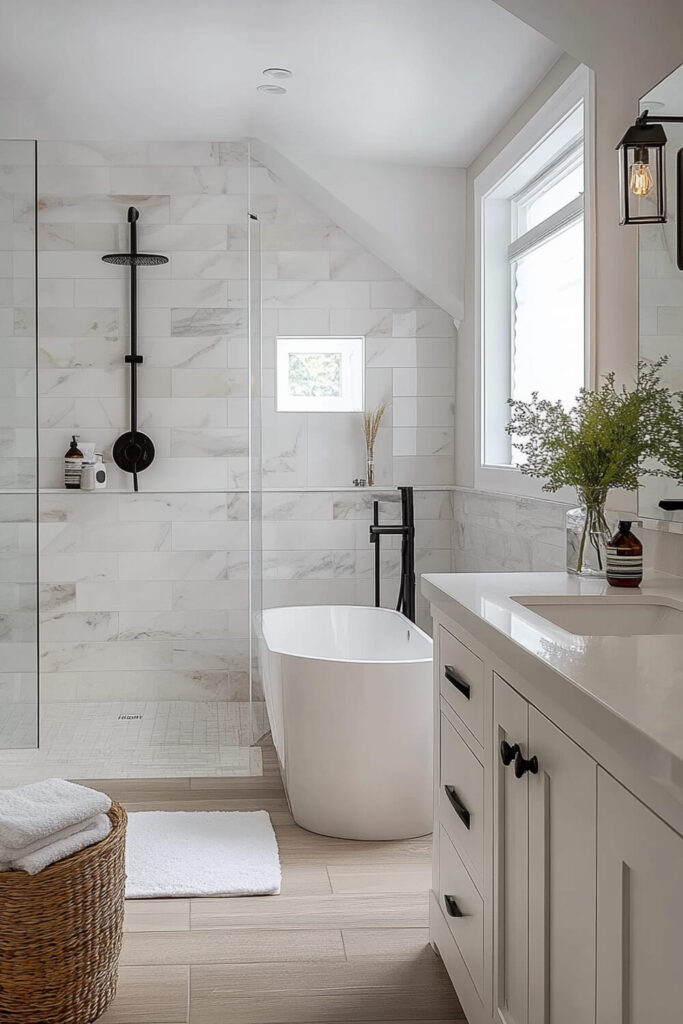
(320, 374)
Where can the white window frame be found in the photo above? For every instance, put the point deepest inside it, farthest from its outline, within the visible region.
(352, 353)
(577, 88)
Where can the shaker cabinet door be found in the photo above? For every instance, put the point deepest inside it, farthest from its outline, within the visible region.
(511, 866)
(562, 877)
(640, 912)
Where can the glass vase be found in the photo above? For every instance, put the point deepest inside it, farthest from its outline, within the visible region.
(370, 467)
(587, 536)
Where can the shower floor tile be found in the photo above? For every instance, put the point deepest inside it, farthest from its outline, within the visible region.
(145, 739)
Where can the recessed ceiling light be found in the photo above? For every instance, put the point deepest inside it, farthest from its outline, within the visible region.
(277, 73)
(276, 90)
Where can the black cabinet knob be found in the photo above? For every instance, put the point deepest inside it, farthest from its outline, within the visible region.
(508, 753)
(523, 765)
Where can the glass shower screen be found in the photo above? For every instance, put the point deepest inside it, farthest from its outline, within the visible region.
(18, 447)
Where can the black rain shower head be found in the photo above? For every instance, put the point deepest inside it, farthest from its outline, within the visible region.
(137, 259)
(134, 258)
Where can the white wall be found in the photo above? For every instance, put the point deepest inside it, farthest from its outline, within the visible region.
(630, 46)
(409, 216)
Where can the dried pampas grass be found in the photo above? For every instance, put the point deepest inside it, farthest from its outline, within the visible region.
(371, 422)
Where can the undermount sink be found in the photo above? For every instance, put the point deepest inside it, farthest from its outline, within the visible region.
(607, 616)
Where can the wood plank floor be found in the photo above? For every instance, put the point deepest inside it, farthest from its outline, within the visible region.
(346, 941)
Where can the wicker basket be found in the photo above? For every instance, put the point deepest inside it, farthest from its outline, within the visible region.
(60, 934)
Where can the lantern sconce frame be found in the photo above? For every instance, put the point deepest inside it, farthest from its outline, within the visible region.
(642, 179)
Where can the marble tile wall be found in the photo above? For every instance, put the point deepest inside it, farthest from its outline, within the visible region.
(193, 383)
(144, 597)
(316, 547)
(503, 533)
(192, 311)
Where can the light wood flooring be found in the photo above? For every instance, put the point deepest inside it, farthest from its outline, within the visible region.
(346, 941)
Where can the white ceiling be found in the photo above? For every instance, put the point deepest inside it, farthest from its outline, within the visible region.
(418, 81)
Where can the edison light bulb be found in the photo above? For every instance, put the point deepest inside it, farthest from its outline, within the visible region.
(641, 181)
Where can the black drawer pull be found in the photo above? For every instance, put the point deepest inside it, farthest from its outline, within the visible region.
(508, 753)
(458, 806)
(452, 907)
(460, 684)
(522, 765)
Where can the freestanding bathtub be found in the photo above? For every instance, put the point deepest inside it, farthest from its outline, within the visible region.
(349, 697)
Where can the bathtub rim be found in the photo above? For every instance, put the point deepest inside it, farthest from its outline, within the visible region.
(345, 661)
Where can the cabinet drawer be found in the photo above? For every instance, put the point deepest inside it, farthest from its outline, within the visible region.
(462, 682)
(461, 798)
(463, 909)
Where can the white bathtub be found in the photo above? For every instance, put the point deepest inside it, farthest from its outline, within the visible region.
(349, 697)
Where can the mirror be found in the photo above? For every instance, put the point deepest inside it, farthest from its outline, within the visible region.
(661, 284)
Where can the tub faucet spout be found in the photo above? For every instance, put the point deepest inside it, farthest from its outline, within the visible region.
(406, 530)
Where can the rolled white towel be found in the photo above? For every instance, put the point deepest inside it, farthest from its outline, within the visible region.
(34, 813)
(96, 830)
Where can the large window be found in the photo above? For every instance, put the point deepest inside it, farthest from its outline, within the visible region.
(532, 328)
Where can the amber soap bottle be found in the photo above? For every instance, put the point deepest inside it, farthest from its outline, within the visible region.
(73, 465)
(624, 558)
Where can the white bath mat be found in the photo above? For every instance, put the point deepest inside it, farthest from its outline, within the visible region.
(201, 853)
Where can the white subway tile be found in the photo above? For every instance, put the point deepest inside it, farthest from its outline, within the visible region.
(393, 352)
(173, 565)
(208, 209)
(359, 266)
(226, 536)
(182, 154)
(171, 180)
(396, 294)
(405, 382)
(188, 294)
(173, 626)
(123, 595)
(405, 441)
(209, 265)
(219, 595)
(211, 383)
(405, 412)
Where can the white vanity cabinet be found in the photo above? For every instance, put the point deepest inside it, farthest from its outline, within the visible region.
(544, 832)
(538, 849)
(640, 912)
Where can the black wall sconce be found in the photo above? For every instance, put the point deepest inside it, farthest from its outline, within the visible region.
(642, 178)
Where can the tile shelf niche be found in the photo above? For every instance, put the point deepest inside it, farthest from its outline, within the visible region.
(384, 489)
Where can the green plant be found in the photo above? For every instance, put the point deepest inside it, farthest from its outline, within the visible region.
(672, 451)
(609, 438)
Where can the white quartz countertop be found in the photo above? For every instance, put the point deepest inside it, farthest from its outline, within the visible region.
(636, 680)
